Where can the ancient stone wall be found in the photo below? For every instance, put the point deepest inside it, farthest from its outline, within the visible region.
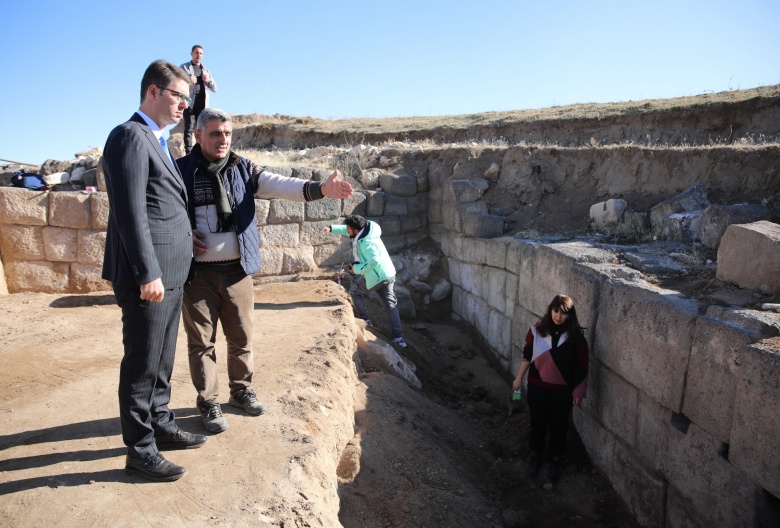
(681, 408)
(53, 242)
(677, 414)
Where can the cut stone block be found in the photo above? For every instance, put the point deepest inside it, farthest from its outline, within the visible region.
(721, 494)
(69, 209)
(481, 225)
(91, 246)
(643, 490)
(85, 278)
(37, 276)
(283, 235)
(325, 209)
(23, 207)
(20, 242)
(612, 401)
(396, 205)
(749, 256)
(712, 375)
(644, 334)
(298, 260)
(98, 203)
(285, 211)
(61, 244)
(398, 184)
(755, 433)
(355, 205)
(272, 259)
(598, 441)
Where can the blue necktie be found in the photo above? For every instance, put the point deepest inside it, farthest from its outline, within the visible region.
(165, 148)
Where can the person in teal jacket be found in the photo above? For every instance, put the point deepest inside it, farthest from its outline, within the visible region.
(371, 269)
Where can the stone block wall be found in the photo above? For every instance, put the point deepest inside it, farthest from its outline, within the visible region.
(53, 242)
(679, 414)
(679, 408)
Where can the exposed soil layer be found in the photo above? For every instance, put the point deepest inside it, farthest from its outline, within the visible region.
(719, 118)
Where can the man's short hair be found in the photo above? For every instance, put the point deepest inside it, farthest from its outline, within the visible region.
(161, 73)
(355, 221)
(212, 114)
(196, 46)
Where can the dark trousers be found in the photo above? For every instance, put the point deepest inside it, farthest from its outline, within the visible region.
(190, 119)
(550, 412)
(149, 333)
(386, 294)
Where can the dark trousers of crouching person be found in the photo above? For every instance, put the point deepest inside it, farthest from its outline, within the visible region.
(386, 293)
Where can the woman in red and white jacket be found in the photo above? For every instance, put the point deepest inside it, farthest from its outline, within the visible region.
(556, 359)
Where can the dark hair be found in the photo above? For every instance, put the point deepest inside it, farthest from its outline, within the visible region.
(565, 304)
(355, 221)
(161, 73)
(196, 46)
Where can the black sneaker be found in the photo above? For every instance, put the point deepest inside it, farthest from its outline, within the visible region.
(534, 465)
(554, 471)
(213, 420)
(247, 400)
(154, 467)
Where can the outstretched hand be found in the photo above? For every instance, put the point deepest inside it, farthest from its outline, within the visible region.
(335, 188)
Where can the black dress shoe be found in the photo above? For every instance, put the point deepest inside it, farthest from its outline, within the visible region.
(180, 440)
(154, 467)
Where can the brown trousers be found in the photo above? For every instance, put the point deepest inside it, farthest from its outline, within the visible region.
(227, 296)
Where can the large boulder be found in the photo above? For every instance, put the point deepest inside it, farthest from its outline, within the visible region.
(608, 213)
(749, 256)
(466, 191)
(693, 199)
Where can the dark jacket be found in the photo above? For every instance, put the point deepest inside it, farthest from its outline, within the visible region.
(243, 180)
(149, 236)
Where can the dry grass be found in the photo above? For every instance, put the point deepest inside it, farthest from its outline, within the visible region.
(354, 127)
(283, 158)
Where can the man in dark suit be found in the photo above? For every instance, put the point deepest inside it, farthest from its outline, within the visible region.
(147, 259)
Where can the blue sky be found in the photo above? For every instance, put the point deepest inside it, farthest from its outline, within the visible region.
(72, 70)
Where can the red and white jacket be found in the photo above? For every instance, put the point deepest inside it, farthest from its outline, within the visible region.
(559, 362)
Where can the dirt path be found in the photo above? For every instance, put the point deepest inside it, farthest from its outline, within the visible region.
(445, 456)
(61, 456)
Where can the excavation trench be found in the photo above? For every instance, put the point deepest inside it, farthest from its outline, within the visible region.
(338, 447)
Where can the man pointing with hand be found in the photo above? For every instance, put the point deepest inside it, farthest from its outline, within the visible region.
(221, 187)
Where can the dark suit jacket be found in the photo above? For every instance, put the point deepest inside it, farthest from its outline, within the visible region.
(149, 234)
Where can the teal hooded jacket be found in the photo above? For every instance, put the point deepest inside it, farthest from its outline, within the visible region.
(374, 260)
